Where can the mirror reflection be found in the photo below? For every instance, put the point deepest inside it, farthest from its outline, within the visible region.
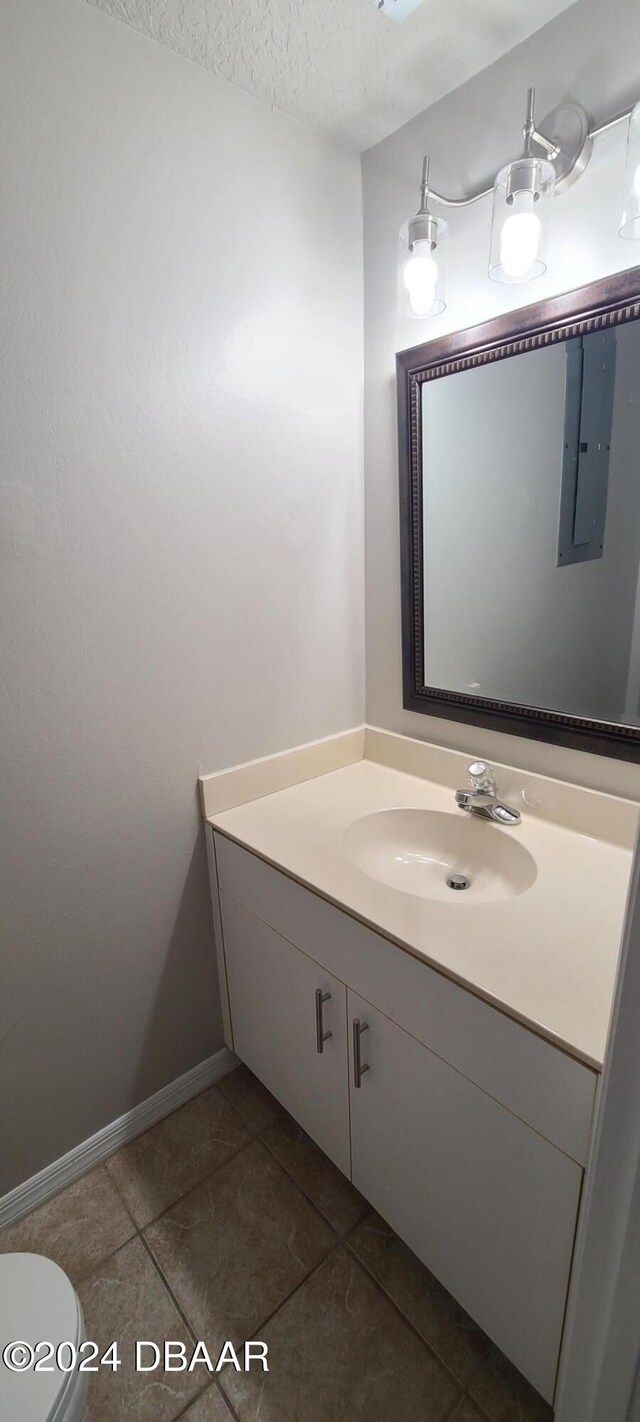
(531, 495)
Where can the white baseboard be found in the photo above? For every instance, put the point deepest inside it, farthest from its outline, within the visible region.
(90, 1152)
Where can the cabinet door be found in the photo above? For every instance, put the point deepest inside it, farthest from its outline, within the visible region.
(488, 1204)
(277, 1024)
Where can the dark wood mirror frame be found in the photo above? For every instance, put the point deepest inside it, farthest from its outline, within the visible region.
(610, 302)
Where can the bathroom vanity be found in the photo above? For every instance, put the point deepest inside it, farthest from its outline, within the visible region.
(442, 1047)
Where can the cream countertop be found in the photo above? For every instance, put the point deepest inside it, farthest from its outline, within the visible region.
(547, 957)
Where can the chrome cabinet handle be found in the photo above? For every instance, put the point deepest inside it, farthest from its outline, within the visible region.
(359, 1067)
(321, 1035)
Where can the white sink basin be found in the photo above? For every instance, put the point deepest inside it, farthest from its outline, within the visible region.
(417, 851)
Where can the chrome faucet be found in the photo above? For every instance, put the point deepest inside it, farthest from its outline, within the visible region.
(482, 800)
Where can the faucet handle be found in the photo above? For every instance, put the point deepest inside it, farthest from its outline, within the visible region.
(482, 777)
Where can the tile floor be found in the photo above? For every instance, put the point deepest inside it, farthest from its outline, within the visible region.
(225, 1221)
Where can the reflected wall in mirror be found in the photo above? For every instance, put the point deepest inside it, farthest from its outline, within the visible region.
(531, 495)
(520, 484)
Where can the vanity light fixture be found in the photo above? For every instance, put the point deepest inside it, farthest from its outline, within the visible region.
(521, 192)
(422, 266)
(630, 226)
(553, 158)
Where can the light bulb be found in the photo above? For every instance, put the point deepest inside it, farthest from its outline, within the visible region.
(520, 237)
(420, 277)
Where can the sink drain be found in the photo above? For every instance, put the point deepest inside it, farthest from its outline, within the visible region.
(457, 881)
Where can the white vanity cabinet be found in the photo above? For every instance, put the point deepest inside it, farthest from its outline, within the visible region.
(290, 1026)
(467, 1131)
(488, 1204)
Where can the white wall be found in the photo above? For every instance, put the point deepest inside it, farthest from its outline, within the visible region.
(180, 514)
(589, 53)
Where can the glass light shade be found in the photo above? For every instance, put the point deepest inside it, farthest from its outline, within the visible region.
(630, 226)
(519, 228)
(422, 272)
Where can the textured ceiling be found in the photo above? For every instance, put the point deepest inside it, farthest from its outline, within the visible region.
(338, 65)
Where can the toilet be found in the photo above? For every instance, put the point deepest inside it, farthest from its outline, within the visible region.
(38, 1303)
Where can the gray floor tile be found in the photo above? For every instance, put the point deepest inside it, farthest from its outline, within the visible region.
(237, 1245)
(176, 1154)
(458, 1342)
(467, 1412)
(238, 1249)
(125, 1299)
(340, 1352)
(505, 1396)
(209, 1407)
(312, 1170)
(258, 1108)
(78, 1228)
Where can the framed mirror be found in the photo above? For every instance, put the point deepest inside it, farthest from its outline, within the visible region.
(519, 446)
